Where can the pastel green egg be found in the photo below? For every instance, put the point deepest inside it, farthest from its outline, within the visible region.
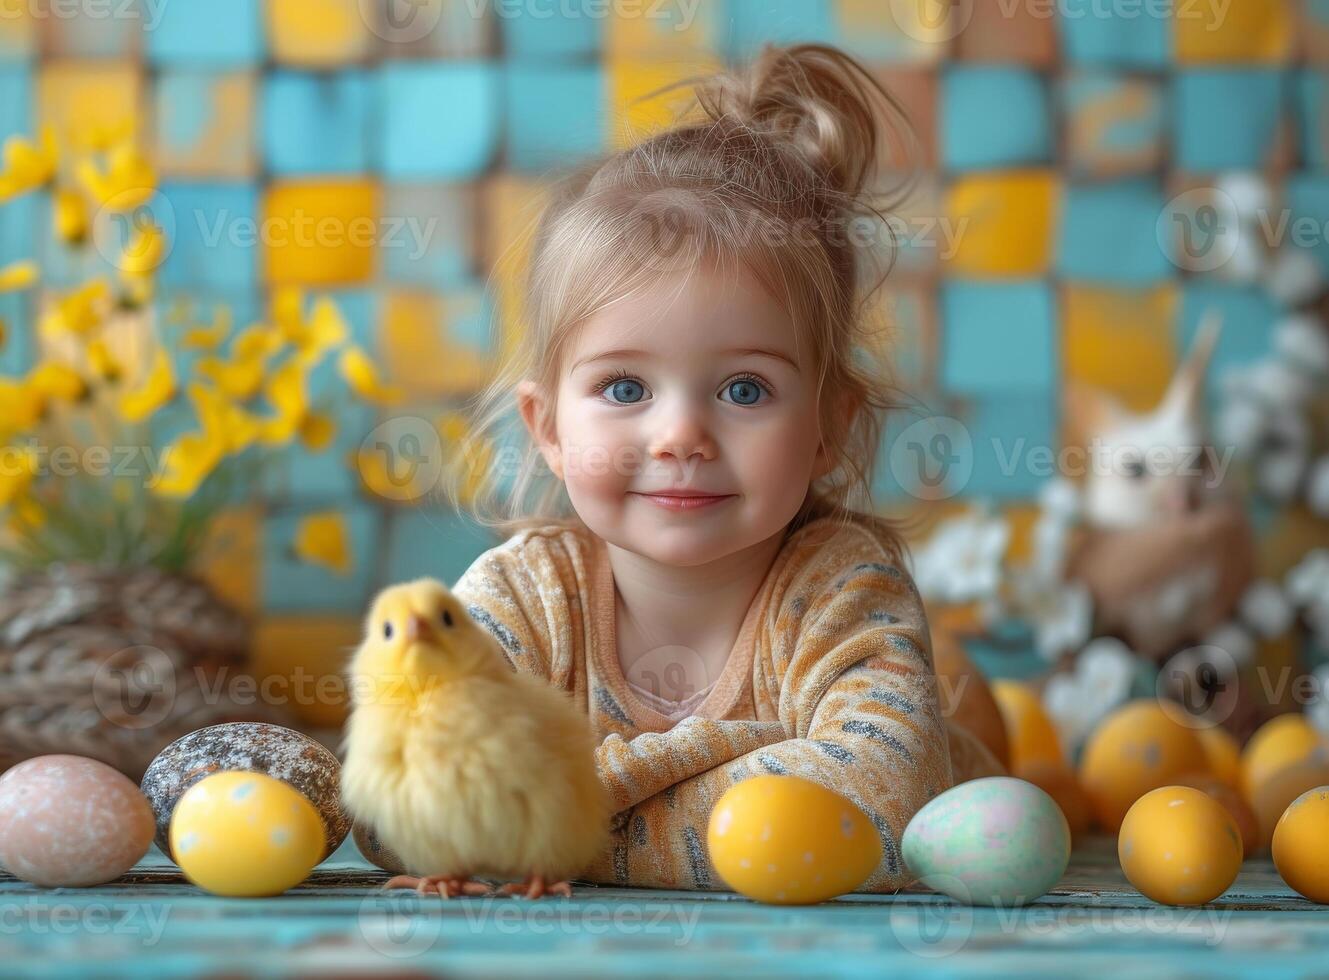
(995, 841)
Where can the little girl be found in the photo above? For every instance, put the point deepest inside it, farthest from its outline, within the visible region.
(698, 375)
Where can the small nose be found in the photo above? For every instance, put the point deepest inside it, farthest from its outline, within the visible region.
(682, 437)
(417, 627)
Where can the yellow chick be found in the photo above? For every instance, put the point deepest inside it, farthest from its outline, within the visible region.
(460, 765)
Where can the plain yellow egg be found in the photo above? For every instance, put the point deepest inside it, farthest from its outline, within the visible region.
(1275, 793)
(1301, 845)
(1179, 846)
(1030, 732)
(1280, 742)
(1231, 800)
(245, 834)
(788, 841)
(1223, 753)
(1142, 745)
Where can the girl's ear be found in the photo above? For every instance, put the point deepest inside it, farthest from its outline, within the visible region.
(533, 406)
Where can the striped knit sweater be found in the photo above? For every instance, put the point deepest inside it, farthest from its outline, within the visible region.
(830, 679)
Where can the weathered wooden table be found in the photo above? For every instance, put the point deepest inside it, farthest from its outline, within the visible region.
(152, 923)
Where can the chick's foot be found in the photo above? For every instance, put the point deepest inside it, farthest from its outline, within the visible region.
(445, 886)
(534, 886)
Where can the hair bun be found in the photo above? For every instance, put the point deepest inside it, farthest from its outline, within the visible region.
(815, 97)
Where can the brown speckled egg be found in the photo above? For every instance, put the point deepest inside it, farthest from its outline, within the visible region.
(70, 821)
(375, 851)
(247, 747)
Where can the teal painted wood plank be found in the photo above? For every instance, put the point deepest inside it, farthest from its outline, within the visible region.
(153, 923)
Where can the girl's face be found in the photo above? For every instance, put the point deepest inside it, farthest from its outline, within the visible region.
(695, 386)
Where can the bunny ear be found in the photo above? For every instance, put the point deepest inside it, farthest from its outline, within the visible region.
(1090, 412)
(1182, 400)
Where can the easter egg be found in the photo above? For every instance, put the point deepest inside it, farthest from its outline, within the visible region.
(1301, 845)
(1031, 735)
(244, 834)
(70, 821)
(273, 750)
(1280, 742)
(1142, 745)
(785, 840)
(1248, 825)
(375, 851)
(1179, 846)
(1275, 793)
(1060, 782)
(1222, 752)
(993, 841)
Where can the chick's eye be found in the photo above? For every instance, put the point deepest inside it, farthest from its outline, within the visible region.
(447, 617)
(746, 390)
(387, 631)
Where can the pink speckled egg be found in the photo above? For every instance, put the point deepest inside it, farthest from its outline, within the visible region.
(66, 820)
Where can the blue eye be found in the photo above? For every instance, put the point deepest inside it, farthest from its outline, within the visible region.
(745, 391)
(627, 391)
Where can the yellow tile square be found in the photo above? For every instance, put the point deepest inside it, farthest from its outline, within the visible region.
(231, 557)
(416, 351)
(225, 147)
(1120, 341)
(1251, 31)
(320, 233)
(631, 121)
(669, 30)
(317, 33)
(304, 657)
(89, 103)
(512, 208)
(1003, 223)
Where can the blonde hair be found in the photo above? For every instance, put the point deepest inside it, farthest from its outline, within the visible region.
(787, 147)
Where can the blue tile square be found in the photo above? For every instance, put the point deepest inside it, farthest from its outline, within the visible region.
(16, 346)
(1307, 199)
(925, 452)
(1225, 119)
(215, 239)
(207, 32)
(555, 114)
(15, 102)
(993, 117)
(316, 123)
(1109, 234)
(438, 120)
(429, 234)
(754, 22)
(1130, 35)
(551, 31)
(290, 585)
(997, 337)
(1312, 94)
(1015, 443)
(20, 217)
(472, 320)
(1248, 316)
(439, 543)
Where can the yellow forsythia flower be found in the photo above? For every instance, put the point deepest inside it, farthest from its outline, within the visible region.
(186, 464)
(286, 394)
(18, 275)
(71, 216)
(209, 337)
(157, 389)
(362, 376)
(20, 408)
(144, 251)
(18, 468)
(26, 165)
(231, 426)
(54, 381)
(81, 312)
(325, 331)
(257, 342)
(240, 380)
(320, 539)
(317, 431)
(127, 182)
(102, 362)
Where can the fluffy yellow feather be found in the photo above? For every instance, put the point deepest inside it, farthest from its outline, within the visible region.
(460, 765)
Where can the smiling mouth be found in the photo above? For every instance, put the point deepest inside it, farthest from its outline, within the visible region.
(685, 502)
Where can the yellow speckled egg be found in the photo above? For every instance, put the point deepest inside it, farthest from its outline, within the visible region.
(1280, 742)
(788, 841)
(1032, 736)
(1248, 825)
(1301, 845)
(1179, 846)
(1223, 754)
(245, 834)
(1275, 793)
(1142, 745)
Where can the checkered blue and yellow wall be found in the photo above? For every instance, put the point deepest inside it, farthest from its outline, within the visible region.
(1053, 132)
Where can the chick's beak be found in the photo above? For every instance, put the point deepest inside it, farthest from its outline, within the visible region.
(418, 628)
